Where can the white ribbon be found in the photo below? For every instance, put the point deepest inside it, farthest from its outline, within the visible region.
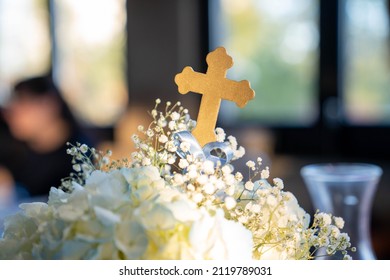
(219, 148)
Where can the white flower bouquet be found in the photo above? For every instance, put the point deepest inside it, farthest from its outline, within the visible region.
(167, 203)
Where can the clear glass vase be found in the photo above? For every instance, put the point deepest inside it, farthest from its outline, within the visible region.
(346, 190)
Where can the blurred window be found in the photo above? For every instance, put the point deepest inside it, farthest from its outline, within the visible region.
(367, 57)
(24, 41)
(320, 69)
(275, 47)
(90, 57)
(81, 42)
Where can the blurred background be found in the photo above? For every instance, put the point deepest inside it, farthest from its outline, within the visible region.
(320, 69)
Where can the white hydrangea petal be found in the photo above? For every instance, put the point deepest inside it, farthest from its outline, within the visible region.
(73, 250)
(131, 239)
(69, 212)
(106, 217)
(34, 209)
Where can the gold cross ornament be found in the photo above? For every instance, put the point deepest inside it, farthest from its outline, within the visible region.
(214, 86)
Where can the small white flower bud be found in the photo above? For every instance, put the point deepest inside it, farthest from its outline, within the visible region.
(230, 202)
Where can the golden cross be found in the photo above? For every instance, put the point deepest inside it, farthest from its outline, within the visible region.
(214, 86)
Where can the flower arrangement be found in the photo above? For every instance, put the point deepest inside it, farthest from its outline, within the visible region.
(167, 203)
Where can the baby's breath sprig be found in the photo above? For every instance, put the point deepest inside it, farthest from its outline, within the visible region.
(274, 217)
(157, 147)
(279, 224)
(85, 160)
(326, 234)
(255, 172)
(207, 185)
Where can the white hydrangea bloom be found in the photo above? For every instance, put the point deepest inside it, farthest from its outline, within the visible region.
(210, 235)
(151, 208)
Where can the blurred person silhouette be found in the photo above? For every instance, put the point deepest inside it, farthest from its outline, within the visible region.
(6, 182)
(41, 123)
